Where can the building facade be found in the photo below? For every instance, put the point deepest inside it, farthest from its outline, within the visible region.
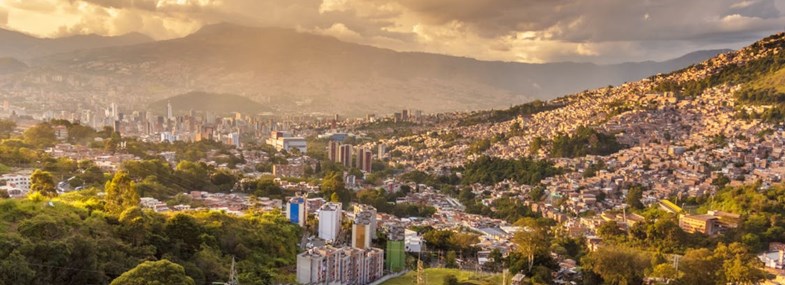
(330, 215)
(296, 211)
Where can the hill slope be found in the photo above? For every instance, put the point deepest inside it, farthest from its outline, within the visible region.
(209, 102)
(11, 65)
(22, 46)
(308, 73)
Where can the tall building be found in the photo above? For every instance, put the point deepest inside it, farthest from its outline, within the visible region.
(382, 151)
(332, 151)
(169, 113)
(345, 155)
(367, 160)
(361, 229)
(364, 159)
(330, 215)
(345, 265)
(296, 211)
(395, 255)
(359, 208)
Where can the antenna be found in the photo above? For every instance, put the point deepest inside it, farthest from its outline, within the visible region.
(233, 275)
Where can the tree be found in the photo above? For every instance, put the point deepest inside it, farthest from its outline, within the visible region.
(618, 265)
(532, 240)
(609, 230)
(162, 272)
(6, 128)
(739, 265)
(42, 182)
(41, 135)
(120, 193)
(450, 280)
(700, 266)
(634, 196)
(450, 260)
(666, 271)
(15, 270)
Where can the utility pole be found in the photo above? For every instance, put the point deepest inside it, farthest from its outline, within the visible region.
(420, 271)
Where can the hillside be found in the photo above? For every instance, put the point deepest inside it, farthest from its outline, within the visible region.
(300, 72)
(208, 102)
(22, 46)
(70, 234)
(11, 65)
(736, 97)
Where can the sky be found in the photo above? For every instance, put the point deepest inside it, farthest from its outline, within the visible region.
(600, 31)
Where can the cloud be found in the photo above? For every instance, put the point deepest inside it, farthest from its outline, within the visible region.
(515, 30)
(3, 17)
(340, 31)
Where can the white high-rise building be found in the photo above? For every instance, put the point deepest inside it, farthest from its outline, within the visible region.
(169, 113)
(330, 215)
(113, 111)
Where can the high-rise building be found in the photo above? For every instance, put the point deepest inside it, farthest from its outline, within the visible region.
(367, 160)
(395, 255)
(332, 151)
(361, 229)
(345, 265)
(330, 215)
(360, 157)
(296, 211)
(359, 208)
(345, 155)
(169, 113)
(382, 151)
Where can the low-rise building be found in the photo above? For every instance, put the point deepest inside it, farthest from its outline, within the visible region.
(705, 224)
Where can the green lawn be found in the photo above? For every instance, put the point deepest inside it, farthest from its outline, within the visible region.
(435, 276)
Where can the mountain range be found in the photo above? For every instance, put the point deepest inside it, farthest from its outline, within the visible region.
(22, 46)
(291, 71)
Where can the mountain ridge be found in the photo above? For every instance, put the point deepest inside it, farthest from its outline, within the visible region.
(301, 72)
(24, 46)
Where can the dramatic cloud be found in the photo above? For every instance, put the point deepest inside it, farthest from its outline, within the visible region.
(3, 17)
(513, 30)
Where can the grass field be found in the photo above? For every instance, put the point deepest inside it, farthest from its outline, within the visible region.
(435, 276)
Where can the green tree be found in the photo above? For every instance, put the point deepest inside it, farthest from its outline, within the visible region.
(666, 271)
(14, 269)
(42, 182)
(634, 196)
(41, 135)
(618, 265)
(162, 272)
(451, 259)
(6, 128)
(120, 193)
(700, 266)
(532, 240)
(450, 280)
